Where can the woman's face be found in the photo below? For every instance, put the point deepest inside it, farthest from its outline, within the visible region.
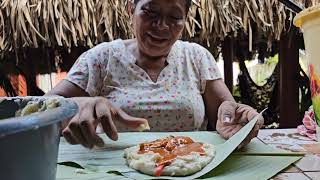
(158, 24)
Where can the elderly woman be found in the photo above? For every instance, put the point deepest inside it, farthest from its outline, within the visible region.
(174, 85)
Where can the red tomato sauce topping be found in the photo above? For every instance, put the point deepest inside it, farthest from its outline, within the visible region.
(171, 147)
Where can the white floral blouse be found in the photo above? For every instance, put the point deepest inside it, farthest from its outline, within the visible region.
(173, 103)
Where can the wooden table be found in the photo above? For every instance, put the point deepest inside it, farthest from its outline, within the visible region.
(288, 139)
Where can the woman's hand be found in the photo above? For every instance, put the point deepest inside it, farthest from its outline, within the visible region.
(233, 116)
(81, 129)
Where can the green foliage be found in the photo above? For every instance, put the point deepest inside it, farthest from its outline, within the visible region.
(261, 72)
(272, 60)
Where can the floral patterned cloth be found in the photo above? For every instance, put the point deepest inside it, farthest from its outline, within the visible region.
(309, 127)
(173, 103)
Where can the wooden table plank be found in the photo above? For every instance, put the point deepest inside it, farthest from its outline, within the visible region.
(292, 169)
(310, 162)
(312, 148)
(313, 175)
(291, 176)
(289, 139)
(284, 136)
(286, 139)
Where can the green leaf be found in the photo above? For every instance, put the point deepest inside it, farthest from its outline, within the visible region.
(115, 172)
(71, 164)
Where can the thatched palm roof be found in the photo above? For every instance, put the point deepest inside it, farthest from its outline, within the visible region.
(52, 23)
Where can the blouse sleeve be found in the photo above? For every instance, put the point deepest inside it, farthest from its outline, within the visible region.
(86, 73)
(207, 67)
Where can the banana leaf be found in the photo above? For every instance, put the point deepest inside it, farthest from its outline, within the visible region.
(110, 158)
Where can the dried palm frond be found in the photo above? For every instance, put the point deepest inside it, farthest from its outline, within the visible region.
(67, 23)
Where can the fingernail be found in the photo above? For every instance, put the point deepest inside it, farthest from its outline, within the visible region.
(227, 119)
(100, 143)
(86, 146)
(114, 136)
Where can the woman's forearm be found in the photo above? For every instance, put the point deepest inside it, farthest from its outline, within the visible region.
(215, 94)
(67, 89)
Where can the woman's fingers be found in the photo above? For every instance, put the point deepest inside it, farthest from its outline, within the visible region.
(226, 112)
(228, 131)
(245, 113)
(68, 136)
(251, 113)
(254, 133)
(133, 122)
(260, 121)
(81, 129)
(109, 127)
(88, 127)
(240, 115)
(76, 132)
(103, 113)
(88, 130)
(67, 132)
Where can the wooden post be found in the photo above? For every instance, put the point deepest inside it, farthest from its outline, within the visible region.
(228, 57)
(289, 88)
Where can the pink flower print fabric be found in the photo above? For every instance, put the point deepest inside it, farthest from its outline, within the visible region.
(173, 103)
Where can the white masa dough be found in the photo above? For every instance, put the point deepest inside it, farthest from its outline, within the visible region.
(181, 166)
(37, 106)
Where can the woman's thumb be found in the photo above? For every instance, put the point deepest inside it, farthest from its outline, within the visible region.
(139, 124)
(226, 112)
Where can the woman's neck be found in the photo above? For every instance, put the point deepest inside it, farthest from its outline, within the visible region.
(144, 60)
(150, 62)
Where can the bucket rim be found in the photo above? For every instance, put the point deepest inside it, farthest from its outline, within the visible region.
(307, 15)
(66, 109)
